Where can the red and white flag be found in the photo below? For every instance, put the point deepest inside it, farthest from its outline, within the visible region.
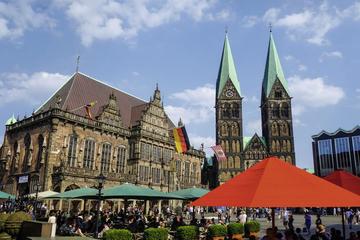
(219, 152)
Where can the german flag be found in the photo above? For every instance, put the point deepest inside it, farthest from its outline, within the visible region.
(182, 143)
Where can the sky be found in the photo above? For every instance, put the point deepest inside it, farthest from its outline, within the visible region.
(135, 44)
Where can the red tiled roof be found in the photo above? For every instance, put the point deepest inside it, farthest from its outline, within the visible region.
(81, 90)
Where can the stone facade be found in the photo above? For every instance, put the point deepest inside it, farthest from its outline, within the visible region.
(276, 119)
(63, 149)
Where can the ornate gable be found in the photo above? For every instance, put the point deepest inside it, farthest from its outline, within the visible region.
(229, 92)
(110, 112)
(154, 118)
(278, 92)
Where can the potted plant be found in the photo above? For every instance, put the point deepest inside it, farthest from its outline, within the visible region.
(252, 228)
(14, 222)
(187, 233)
(118, 234)
(235, 230)
(217, 232)
(156, 234)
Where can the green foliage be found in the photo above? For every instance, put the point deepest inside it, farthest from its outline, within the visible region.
(217, 230)
(14, 221)
(118, 234)
(235, 228)
(187, 233)
(3, 217)
(156, 234)
(252, 226)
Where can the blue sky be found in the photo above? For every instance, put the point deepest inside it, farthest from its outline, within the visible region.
(135, 44)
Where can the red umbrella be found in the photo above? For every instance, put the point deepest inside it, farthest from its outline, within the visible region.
(275, 183)
(347, 181)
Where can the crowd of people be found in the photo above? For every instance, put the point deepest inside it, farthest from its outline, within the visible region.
(134, 218)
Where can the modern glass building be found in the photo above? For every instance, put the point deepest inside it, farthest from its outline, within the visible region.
(337, 150)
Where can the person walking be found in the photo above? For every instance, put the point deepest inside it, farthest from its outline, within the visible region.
(349, 216)
(285, 219)
(307, 222)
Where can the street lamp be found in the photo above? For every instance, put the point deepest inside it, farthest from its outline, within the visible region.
(101, 180)
(37, 189)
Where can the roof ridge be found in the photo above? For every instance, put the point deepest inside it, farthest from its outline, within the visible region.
(68, 93)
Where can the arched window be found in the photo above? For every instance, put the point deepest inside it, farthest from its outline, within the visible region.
(278, 94)
(89, 151)
(285, 110)
(275, 110)
(105, 157)
(40, 156)
(15, 157)
(72, 150)
(226, 110)
(235, 110)
(121, 159)
(274, 129)
(28, 153)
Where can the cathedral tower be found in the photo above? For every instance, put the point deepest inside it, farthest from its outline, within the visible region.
(276, 116)
(228, 105)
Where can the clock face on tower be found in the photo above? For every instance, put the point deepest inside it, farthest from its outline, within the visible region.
(229, 93)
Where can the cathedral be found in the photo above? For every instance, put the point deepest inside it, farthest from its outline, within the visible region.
(277, 137)
(88, 127)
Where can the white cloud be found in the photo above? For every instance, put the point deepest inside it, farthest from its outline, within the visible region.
(189, 114)
(249, 21)
(111, 19)
(29, 89)
(18, 16)
(302, 67)
(313, 93)
(288, 57)
(253, 126)
(333, 55)
(311, 23)
(197, 140)
(197, 105)
(200, 96)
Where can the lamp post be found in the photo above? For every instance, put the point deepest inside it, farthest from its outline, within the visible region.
(101, 180)
(37, 189)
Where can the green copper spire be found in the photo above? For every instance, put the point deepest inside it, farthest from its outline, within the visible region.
(273, 69)
(227, 70)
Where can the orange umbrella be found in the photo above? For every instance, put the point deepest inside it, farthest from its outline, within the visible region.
(275, 183)
(345, 180)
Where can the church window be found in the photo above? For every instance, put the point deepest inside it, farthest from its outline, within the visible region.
(278, 94)
(278, 146)
(273, 146)
(233, 146)
(288, 146)
(40, 151)
(15, 157)
(121, 159)
(285, 110)
(224, 130)
(89, 152)
(105, 157)
(227, 148)
(27, 155)
(288, 159)
(226, 110)
(237, 162)
(284, 146)
(275, 111)
(235, 110)
(274, 129)
(235, 131)
(72, 151)
(284, 130)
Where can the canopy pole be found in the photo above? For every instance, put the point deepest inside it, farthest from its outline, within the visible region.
(273, 218)
(343, 222)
